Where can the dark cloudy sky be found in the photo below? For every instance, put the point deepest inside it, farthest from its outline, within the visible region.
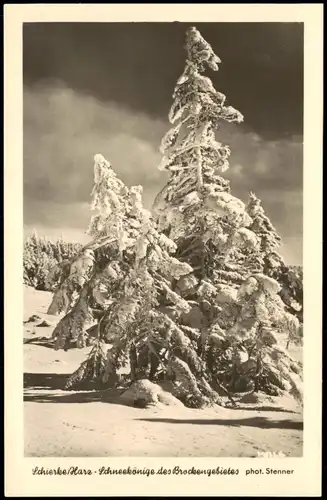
(106, 88)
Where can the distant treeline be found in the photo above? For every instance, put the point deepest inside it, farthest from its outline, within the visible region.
(43, 260)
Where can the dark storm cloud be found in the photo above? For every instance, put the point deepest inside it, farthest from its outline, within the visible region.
(63, 131)
(107, 89)
(138, 63)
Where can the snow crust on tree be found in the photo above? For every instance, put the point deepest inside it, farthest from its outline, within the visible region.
(196, 207)
(271, 262)
(120, 221)
(247, 337)
(263, 228)
(192, 156)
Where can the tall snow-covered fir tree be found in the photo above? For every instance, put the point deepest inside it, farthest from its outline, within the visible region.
(215, 232)
(196, 208)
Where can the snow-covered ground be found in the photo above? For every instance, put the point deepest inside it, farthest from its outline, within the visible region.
(92, 424)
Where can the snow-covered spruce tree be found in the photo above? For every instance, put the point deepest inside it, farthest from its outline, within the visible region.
(268, 258)
(271, 262)
(212, 228)
(249, 352)
(141, 311)
(290, 278)
(196, 208)
(113, 226)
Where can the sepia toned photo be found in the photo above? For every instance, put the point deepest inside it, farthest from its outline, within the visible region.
(163, 247)
(169, 309)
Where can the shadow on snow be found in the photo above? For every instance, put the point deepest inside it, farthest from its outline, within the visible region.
(40, 341)
(36, 383)
(261, 422)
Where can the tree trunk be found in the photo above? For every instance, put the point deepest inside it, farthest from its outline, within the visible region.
(257, 373)
(154, 363)
(133, 361)
(234, 376)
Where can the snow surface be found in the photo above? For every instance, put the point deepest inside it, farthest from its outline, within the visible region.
(88, 424)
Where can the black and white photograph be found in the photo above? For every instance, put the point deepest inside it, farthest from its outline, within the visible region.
(162, 255)
(180, 285)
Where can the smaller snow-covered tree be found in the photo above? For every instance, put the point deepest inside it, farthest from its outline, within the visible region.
(270, 262)
(291, 280)
(141, 314)
(269, 238)
(249, 353)
(113, 228)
